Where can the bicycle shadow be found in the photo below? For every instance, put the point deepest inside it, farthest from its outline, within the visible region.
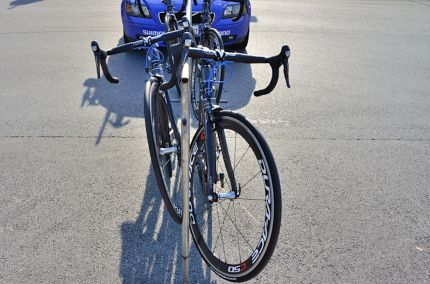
(16, 3)
(238, 87)
(125, 100)
(121, 101)
(152, 246)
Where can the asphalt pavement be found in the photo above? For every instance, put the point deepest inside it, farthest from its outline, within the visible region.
(79, 202)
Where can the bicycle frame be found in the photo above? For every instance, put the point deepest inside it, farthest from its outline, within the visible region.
(206, 10)
(212, 148)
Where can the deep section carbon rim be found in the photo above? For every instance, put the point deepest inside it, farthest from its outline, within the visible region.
(236, 237)
(161, 143)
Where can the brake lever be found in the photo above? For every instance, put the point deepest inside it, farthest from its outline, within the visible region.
(286, 52)
(100, 56)
(96, 50)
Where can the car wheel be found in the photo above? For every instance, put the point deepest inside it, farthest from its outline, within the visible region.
(125, 38)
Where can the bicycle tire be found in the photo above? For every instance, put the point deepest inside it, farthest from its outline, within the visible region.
(159, 134)
(205, 226)
(172, 25)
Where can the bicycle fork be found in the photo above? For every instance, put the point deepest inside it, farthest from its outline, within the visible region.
(216, 147)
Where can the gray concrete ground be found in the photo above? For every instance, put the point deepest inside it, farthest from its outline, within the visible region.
(79, 203)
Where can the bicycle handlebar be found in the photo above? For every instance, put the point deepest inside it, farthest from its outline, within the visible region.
(275, 62)
(101, 55)
(180, 51)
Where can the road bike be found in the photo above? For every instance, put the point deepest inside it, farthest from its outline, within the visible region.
(162, 133)
(235, 195)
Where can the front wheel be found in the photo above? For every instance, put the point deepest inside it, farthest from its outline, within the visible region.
(161, 143)
(237, 236)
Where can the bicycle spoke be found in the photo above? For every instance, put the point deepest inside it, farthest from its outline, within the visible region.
(242, 187)
(163, 166)
(240, 232)
(197, 213)
(237, 236)
(220, 233)
(253, 218)
(241, 158)
(218, 203)
(250, 199)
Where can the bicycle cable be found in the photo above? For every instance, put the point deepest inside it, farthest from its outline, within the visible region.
(154, 56)
(216, 66)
